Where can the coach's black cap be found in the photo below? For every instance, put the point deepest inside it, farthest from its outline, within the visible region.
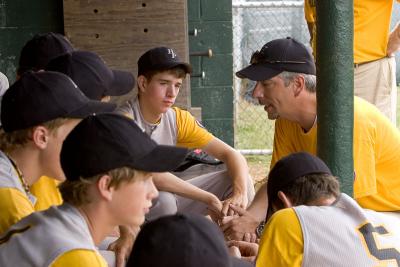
(104, 142)
(38, 51)
(92, 75)
(161, 58)
(277, 56)
(289, 169)
(184, 240)
(38, 97)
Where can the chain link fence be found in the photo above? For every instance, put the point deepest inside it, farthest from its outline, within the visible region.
(254, 24)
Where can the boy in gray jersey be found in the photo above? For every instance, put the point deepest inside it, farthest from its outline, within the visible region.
(107, 161)
(311, 224)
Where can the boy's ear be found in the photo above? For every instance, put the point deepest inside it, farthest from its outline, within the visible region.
(142, 83)
(103, 187)
(40, 136)
(287, 203)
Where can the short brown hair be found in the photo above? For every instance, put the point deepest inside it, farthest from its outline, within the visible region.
(76, 192)
(306, 189)
(11, 140)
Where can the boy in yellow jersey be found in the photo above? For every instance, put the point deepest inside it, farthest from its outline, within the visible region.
(310, 223)
(34, 56)
(107, 161)
(374, 48)
(37, 113)
(286, 85)
(160, 76)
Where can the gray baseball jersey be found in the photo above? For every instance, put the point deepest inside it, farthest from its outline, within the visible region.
(9, 177)
(38, 239)
(345, 234)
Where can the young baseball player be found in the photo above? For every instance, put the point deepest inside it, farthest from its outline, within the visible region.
(107, 161)
(310, 223)
(95, 79)
(37, 113)
(160, 77)
(34, 56)
(203, 244)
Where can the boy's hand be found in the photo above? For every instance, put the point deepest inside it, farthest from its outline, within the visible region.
(236, 227)
(248, 251)
(123, 245)
(237, 199)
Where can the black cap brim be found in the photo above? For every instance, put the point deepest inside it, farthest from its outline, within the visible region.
(122, 84)
(258, 72)
(91, 107)
(240, 263)
(170, 65)
(162, 159)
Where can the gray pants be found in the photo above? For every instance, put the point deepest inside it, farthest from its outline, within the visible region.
(210, 178)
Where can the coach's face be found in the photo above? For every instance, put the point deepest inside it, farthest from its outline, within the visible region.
(275, 97)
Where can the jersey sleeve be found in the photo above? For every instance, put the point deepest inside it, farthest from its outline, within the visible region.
(191, 133)
(46, 192)
(79, 258)
(282, 241)
(14, 205)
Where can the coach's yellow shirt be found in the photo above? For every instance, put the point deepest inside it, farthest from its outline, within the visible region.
(371, 27)
(376, 146)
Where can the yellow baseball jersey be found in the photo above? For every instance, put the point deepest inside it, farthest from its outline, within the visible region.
(376, 146)
(176, 127)
(46, 192)
(80, 258)
(330, 236)
(191, 133)
(371, 27)
(282, 241)
(14, 205)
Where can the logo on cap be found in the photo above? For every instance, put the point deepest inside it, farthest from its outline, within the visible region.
(171, 52)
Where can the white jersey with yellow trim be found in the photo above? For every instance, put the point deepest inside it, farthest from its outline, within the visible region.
(42, 237)
(344, 234)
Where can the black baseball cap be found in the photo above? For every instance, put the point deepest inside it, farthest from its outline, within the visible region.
(277, 56)
(288, 169)
(184, 240)
(161, 58)
(92, 75)
(38, 97)
(39, 50)
(104, 142)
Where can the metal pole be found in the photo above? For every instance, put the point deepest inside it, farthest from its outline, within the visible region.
(335, 75)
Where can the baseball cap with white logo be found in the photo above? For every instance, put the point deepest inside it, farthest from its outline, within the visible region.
(161, 58)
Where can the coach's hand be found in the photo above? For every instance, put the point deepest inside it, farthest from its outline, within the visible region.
(237, 199)
(235, 227)
(123, 245)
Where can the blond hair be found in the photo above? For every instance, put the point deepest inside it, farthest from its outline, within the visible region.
(76, 192)
(12, 140)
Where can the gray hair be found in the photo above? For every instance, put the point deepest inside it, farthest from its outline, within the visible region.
(310, 80)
